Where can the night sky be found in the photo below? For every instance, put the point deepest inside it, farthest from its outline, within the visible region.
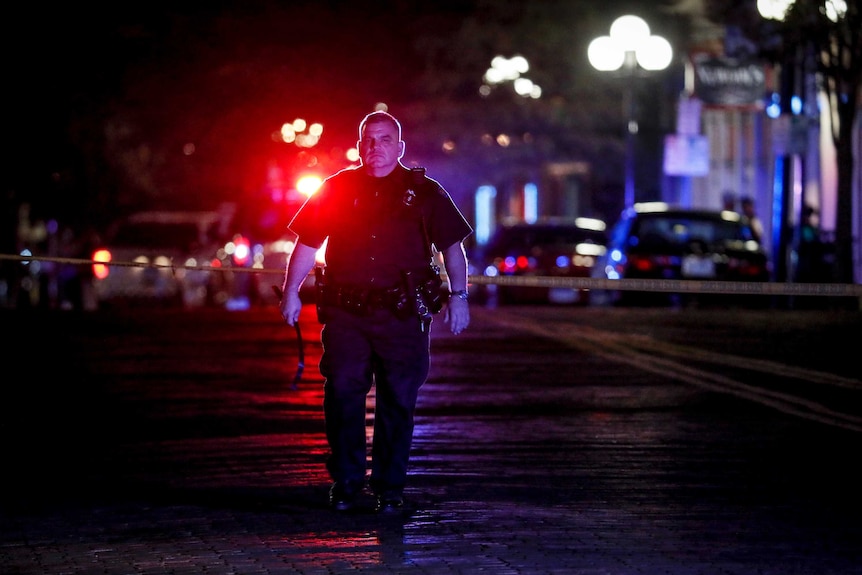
(124, 82)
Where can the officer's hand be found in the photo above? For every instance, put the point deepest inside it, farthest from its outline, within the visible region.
(457, 315)
(290, 306)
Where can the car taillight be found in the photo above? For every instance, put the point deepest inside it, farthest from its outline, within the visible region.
(746, 268)
(512, 264)
(506, 265)
(641, 263)
(101, 271)
(239, 249)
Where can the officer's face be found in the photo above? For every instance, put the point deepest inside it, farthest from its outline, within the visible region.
(380, 148)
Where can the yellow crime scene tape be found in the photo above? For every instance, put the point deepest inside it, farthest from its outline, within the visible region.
(654, 285)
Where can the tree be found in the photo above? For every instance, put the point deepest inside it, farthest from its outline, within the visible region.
(833, 29)
(577, 120)
(837, 39)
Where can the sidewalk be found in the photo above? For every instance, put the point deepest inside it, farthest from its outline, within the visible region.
(141, 461)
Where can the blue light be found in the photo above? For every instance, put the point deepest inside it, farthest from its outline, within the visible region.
(796, 105)
(773, 110)
(531, 202)
(484, 213)
(773, 105)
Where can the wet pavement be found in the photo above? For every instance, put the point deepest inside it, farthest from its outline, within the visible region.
(160, 442)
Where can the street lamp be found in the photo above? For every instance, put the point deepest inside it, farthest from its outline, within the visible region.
(510, 70)
(630, 47)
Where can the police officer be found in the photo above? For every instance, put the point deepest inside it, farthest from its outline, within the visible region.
(381, 220)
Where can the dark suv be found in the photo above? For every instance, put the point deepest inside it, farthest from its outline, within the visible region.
(658, 241)
(556, 247)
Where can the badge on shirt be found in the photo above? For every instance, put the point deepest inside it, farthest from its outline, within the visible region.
(409, 198)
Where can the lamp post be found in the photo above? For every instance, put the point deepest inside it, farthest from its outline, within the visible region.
(629, 47)
(782, 198)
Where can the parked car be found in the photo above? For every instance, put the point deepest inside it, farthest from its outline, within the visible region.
(149, 258)
(557, 247)
(659, 241)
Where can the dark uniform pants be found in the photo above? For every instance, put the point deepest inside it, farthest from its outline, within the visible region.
(392, 354)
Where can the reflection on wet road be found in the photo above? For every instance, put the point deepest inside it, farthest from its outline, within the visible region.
(817, 395)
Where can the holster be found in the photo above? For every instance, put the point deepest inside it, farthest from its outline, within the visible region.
(425, 292)
(432, 289)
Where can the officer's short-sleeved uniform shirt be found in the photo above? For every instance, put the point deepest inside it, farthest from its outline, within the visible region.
(377, 227)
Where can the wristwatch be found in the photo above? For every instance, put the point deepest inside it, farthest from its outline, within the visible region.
(461, 293)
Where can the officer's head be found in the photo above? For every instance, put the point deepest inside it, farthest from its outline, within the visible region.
(380, 145)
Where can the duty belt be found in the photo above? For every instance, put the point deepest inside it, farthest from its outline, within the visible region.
(360, 300)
